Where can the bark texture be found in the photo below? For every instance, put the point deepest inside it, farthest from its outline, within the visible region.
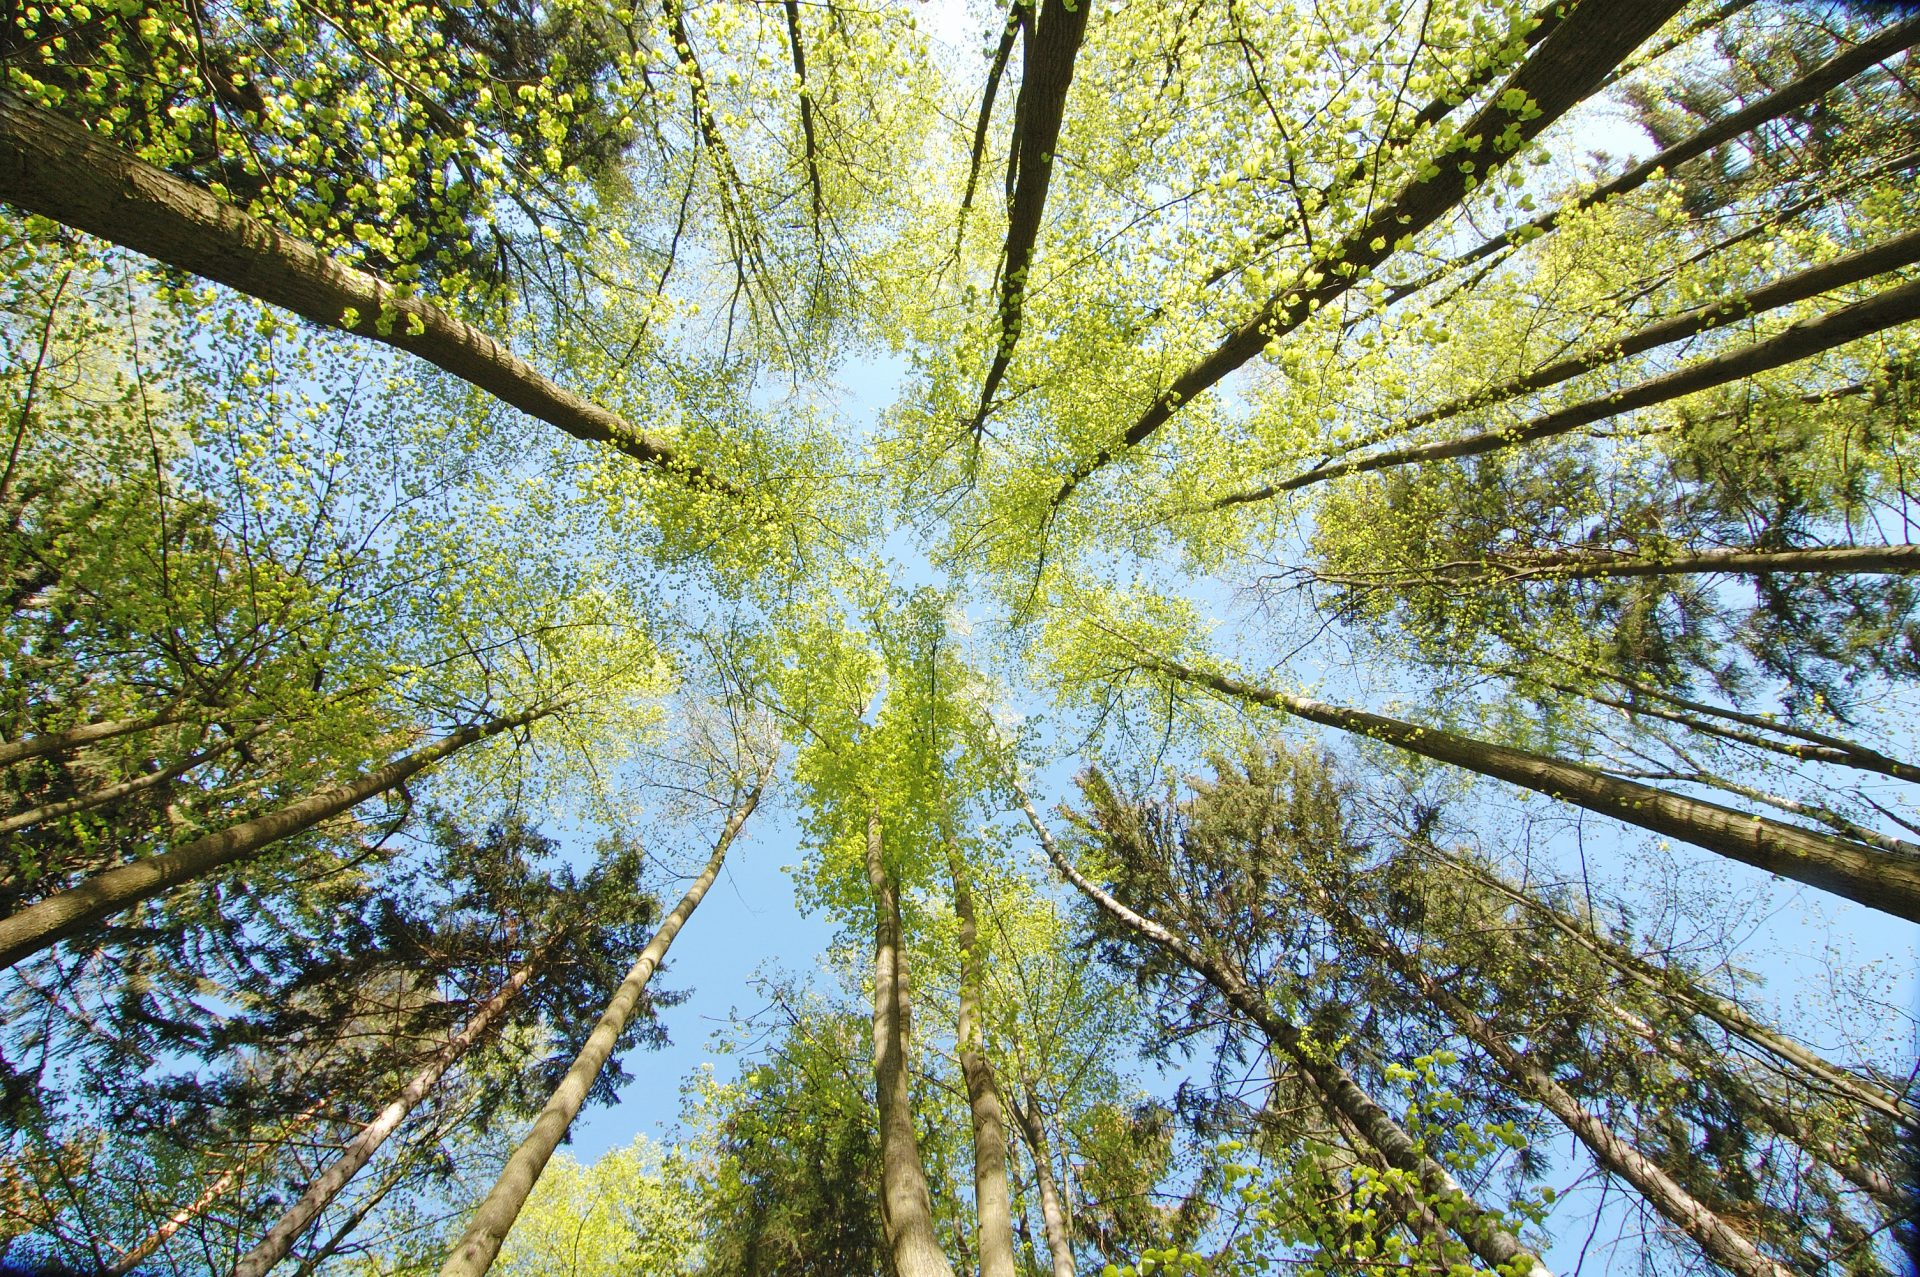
(51, 166)
(48, 921)
(1566, 67)
(1875, 878)
(328, 1184)
(906, 1205)
(479, 1246)
(992, 1199)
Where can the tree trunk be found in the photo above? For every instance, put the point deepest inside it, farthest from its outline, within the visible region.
(1772, 1112)
(329, 1183)
(45, 922)
(1053, 1213)
(50, 166)
(1723, 1244)
(60, 742)
(124, 789)
(1675, 985)
(1852, 268)
(199, 1206)
(480, 1244)
(1877, 879)
(1886, 309)
(1477, 1227)
(1808, 89)
(906, 1206)
(1588, 565)
(1566, 67)
(990, 1194)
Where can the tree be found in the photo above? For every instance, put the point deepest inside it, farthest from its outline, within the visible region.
(418, 408)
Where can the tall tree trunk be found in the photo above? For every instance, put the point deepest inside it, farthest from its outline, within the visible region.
(50, 166)
(992, 1201)
(329, 1183)
(60, 742)
(1886, 309)
(1479, 1228)
(1851, 268)
(1721, 1242)
(906, 1206)
(1875, 878)
(1053, 1212)
(1772, 1112)
(1682, 989)
(133, 1258)
(48, 921)
(480, 1244)
(1566, 67)
(1587, 565)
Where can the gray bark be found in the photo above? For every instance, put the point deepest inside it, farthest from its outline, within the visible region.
(50, 166)
(992, 1200)
(906, 1205)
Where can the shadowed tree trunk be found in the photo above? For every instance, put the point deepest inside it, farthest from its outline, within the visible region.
(48, 921)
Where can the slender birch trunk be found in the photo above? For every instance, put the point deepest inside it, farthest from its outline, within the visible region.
(48, 921)
(328, 1185)
(992, 1200)
(1477, 1227)
(906, 1205)
(1053, 1214)
(1878, 879)
(480, 1245)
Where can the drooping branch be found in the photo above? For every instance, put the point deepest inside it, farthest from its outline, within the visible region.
(1682, 987)
(1566, 67)
(59, 170)
(1722, 1243)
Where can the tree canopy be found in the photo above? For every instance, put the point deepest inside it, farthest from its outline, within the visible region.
(1303, 588)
